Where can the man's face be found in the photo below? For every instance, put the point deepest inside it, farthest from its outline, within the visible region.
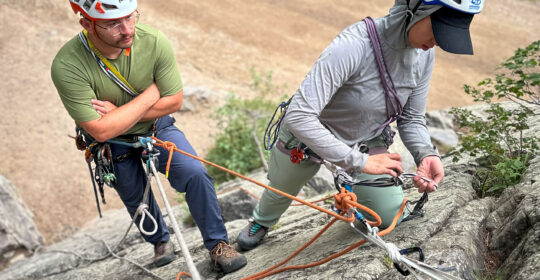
(117, 33)
(421, 35)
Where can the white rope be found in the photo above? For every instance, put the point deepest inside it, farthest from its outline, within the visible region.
(143, 210)
(185, 250)
(392, 249)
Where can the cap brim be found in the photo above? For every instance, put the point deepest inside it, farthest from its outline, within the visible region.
(451, 38)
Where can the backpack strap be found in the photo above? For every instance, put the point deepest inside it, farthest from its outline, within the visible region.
(106, 65)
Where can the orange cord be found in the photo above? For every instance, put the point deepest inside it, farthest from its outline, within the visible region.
(169, 146)
(257, 197)
(181, 273)
(272, 271)
(162, 144)
(345, 200)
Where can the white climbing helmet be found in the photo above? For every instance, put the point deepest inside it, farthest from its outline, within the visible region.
(104, 9)
(466, 6)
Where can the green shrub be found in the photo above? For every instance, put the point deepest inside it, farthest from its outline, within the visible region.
(497, 138)
(236, 147)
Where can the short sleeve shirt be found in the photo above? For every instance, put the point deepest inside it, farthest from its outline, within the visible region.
(79, 79)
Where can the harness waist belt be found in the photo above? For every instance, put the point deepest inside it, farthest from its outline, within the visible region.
(377, 150)
(132, 138)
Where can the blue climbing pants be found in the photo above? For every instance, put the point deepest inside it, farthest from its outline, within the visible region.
(186, 175)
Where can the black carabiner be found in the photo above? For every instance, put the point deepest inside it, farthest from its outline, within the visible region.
(407, 251)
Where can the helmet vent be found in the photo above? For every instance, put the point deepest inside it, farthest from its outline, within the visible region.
(109, 7)
(87, 4)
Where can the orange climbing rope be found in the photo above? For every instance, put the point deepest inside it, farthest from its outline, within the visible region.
(273, 270)
(171, 147)
(344, 201)
(181, 273)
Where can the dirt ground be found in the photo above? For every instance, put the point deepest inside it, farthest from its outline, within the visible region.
(216, 43)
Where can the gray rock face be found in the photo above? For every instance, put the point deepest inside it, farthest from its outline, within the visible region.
(18, 233)
(441, 127)
(195, 97)
(515, 227)
(460, 234)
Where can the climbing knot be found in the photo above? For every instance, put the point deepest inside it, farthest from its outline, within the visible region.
(342, 198)
(142, 207)
(169, 146)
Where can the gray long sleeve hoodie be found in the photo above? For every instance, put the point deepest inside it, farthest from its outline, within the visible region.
(341, 101)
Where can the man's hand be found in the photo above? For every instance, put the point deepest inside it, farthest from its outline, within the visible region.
(383, 164)
(103, 107)
(431, 168)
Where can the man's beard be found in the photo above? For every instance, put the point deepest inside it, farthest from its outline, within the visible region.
(120, 41)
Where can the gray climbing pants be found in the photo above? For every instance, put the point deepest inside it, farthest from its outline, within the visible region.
(290, 178)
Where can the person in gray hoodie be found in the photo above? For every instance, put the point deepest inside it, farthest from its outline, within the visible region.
(342, 110)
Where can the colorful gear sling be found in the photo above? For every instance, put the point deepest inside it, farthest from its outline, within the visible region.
(105, 65)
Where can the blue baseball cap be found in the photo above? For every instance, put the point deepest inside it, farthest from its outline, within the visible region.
(451, 30)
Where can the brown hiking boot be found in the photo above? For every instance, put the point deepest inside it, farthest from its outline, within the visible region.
(226, 258)
(163, 253)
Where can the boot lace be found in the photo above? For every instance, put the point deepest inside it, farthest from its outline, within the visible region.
(223, 249)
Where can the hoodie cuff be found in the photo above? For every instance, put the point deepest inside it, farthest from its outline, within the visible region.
(421, 153)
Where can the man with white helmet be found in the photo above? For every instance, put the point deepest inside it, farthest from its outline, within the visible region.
(119, 80)
(342, 110)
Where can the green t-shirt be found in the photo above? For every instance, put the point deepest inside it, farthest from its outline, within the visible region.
(79, 79)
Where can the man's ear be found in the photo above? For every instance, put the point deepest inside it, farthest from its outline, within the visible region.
(86, 24)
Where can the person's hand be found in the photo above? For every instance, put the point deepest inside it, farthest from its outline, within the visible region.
(431, 168)
(102, 107)
(383, 164)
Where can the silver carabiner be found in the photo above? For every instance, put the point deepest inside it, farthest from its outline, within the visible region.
(412, 175)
